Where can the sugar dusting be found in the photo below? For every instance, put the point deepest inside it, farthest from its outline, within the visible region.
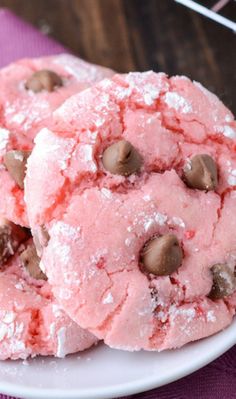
(81, 70)
(229, 132)
(226, 130)
(61, 340)
(106, 193)
(108, 299)
(65, 230)
(4, 140)
(178, 221)
(156, 218)
(232, 177)
(140, 83)
(86, 154)
(189, 313)
(174, 100)
(9, 317)
(18, 118)
(11, 332)
(210, 316)
(151, 93)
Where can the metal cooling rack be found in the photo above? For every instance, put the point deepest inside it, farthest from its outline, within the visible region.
(213, 12)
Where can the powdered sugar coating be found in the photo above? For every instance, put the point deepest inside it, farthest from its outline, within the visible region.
(23, 113)
(31, 321)
(109, 218)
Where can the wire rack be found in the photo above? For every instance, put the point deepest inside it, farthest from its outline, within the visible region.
(213, 12)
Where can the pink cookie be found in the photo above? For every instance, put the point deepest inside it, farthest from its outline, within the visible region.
(31, 322)
(26, 105)
(142, 245)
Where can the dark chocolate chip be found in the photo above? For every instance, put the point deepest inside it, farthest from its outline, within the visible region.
(15, 162)
(41, 238)
(224, 281)
(30, 261)
(121, 158)
(201, 173)
(11, 236)
(43, 80)
(162, 255)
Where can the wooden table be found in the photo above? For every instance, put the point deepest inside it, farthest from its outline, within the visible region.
(141, 34)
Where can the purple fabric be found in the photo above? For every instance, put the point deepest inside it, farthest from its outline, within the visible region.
(217, 380)
(19, 39)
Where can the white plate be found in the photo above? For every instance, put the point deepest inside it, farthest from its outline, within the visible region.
(105, 373)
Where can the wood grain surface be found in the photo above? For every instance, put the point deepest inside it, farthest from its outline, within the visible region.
(141, 34)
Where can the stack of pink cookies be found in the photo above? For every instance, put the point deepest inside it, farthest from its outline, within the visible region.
(117, 209)
(31, 320)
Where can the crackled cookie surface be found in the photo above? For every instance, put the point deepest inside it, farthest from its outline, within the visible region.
(31, 322)
(135, 185)
(31, 89)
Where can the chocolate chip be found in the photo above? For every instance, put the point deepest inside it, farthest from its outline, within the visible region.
(30, 261)
(15, 162)
(41, 238)
(224, 281)
(121, 158)
(162, 255)
(11, 236)
(201, 173)
(43, 80)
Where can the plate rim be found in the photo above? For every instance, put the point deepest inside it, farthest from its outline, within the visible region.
(119, 390)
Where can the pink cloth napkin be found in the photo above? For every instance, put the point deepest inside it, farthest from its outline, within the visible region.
(217, 380)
